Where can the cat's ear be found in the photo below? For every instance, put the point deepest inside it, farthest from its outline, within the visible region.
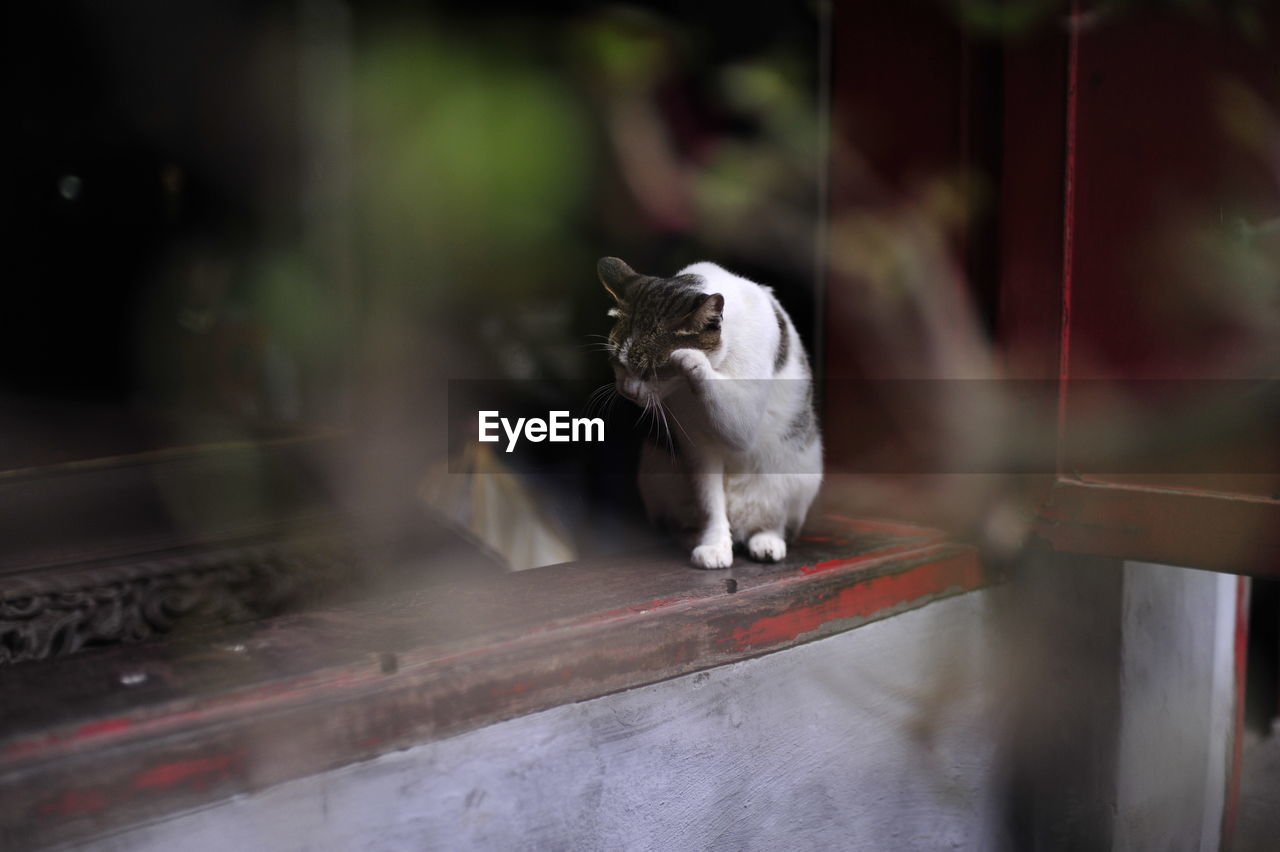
(614, 275)
(707, 316)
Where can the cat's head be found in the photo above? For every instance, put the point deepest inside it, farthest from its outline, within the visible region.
(652, 318)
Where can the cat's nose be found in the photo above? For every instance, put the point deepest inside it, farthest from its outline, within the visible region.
(630, 388)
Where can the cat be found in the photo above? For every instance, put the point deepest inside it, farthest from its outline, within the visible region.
(718, 361)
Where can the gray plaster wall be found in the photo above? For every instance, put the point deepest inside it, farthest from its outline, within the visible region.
(881, 738)
(1177, 699)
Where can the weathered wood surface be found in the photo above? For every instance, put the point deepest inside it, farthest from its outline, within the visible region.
(880, 738)
(1223, 532)
(92, 510)
(114, 737)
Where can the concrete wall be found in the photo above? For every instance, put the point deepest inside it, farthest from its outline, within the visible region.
(1177, 699)
(1079, 707)
(880, 738)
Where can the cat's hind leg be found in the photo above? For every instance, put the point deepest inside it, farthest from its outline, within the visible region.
(758, 514)
(767, 546)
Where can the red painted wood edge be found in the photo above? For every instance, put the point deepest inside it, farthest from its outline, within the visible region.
(1068, 226)
(339, 717)
(1231, 803)
(862, 600)
(1238, 534)
(874, 525)
(96, 734)
(49, 743)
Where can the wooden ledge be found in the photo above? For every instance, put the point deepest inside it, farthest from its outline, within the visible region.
(111, 738)
(1237, 533)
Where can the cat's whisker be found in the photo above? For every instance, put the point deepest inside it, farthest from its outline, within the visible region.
(592, 398)
(653, 420)
(680, 426)
(655, 416)
(666, 427)
(598, 397)
(643, 412)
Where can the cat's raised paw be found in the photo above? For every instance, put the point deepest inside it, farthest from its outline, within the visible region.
(713, 555)
(692, 363)
(767, 547)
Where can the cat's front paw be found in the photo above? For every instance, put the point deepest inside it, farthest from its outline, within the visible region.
(767, 547)
(693, 363)
(719, 555)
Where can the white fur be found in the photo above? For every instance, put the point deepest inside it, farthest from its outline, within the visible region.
(739, 478)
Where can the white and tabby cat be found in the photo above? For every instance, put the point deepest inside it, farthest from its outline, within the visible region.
(716, 357)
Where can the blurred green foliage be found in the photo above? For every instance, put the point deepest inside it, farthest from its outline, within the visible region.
(1015, 18)
(470, 166)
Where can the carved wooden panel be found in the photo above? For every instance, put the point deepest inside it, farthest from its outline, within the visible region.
(46, 614)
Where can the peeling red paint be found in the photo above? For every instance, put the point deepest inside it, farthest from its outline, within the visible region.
(1231, 803)
(866, 525)
(861, 600)
(83, 736)
(819, 567)
(88, 730)
(75, 803)
(103, 726)
(516, 688)
(1068, 230)
(614, 647)
(183, 771)
(825, 539)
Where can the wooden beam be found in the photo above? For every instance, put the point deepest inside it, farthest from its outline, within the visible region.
(101, 741)
(1222, 532)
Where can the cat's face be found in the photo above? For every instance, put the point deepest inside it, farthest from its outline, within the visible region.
(653, 317)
